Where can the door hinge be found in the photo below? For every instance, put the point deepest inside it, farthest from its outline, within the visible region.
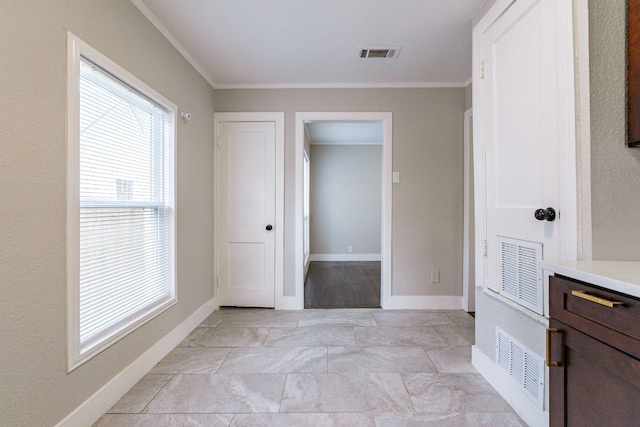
(218, 141)
(481, 70)
(484, 247)
(218, 281)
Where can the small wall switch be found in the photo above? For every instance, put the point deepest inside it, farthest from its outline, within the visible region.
(396, 177)
(435, 276)
(350, 249)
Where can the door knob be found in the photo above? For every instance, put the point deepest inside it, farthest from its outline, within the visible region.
(541, 214)
(269, 227)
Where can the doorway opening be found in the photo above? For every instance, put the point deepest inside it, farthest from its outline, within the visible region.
(343, 209)
(342, 214)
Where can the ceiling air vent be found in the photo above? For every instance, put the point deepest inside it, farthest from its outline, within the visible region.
(388, 53)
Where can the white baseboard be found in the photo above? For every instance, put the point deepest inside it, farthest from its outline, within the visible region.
(524, 407)
(292, 303)
(95, 406)
(345, 257)
(422, 302)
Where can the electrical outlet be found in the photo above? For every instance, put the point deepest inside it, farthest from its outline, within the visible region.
(350, 249)
(435, 276)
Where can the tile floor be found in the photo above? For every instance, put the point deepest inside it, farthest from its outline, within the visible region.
(349, 367)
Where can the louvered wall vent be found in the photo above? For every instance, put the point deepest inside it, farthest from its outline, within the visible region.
(520, 277)
(388, 53)
(521, 365)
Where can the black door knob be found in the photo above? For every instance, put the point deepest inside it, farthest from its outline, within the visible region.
(541, 214)
(269, 227)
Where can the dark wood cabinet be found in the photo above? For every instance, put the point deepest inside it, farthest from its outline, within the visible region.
(597, 350)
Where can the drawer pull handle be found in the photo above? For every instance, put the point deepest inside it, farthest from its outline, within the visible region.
(550, 363)
(597, 300)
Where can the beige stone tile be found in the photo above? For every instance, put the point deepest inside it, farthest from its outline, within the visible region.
(421, 419)
(311, 337)
(414, 336)
(192, 360)
(458, 335)
(412, 318)
(364, 392)
(136, 399)
(276, 360)
(337, 318)
(379, 359)
(453, 394)
(260, 319)
(226, 337)
(213, 320)
(164, 420)
(210, 394)
(311, 420)
(462, 318)
(452, 359)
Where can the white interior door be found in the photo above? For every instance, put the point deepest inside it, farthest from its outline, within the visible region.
(247, 213)
(525, 107)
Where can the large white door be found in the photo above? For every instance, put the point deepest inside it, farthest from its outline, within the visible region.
(247, 213)
(527, 109)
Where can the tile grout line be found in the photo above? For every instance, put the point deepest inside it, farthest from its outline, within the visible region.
(156, 394)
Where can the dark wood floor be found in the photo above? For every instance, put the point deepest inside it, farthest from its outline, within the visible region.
(332, 284)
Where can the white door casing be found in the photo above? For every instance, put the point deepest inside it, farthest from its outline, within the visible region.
(468, 236)
(248, 212)
(386, 118)
(525, 144)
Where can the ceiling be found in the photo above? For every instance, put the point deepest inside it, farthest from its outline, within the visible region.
(317, 43)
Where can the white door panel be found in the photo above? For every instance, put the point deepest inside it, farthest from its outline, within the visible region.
(247, 198)
(522, 136)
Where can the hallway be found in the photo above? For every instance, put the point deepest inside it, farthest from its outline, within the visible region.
(333, 284)
(355, 367)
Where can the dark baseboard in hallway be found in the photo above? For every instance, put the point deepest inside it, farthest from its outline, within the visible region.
(333, 284)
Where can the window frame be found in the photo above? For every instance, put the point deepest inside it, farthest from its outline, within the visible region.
(76, 50)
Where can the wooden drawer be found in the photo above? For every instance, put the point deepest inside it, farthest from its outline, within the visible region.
(617, 326)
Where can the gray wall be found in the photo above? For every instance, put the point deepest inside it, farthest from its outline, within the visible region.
(35, 388)
(346, 199)
(427, 151)
(615, 169)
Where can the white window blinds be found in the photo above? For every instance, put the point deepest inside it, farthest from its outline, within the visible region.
(126, 215)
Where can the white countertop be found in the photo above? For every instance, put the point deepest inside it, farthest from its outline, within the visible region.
(620, 276)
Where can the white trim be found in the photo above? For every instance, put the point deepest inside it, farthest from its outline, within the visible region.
(498, 9)
(506, 387)
(387, 156)
(344, 143)
(335, 85)
(73, 200)
(479, 184)
(345, 257)
(100, 402)
(479, 154)
(292, 303)
(468, 288)
(77, 49)
(583, 128)
(423, 302)
(568, 153)
(278, 119)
